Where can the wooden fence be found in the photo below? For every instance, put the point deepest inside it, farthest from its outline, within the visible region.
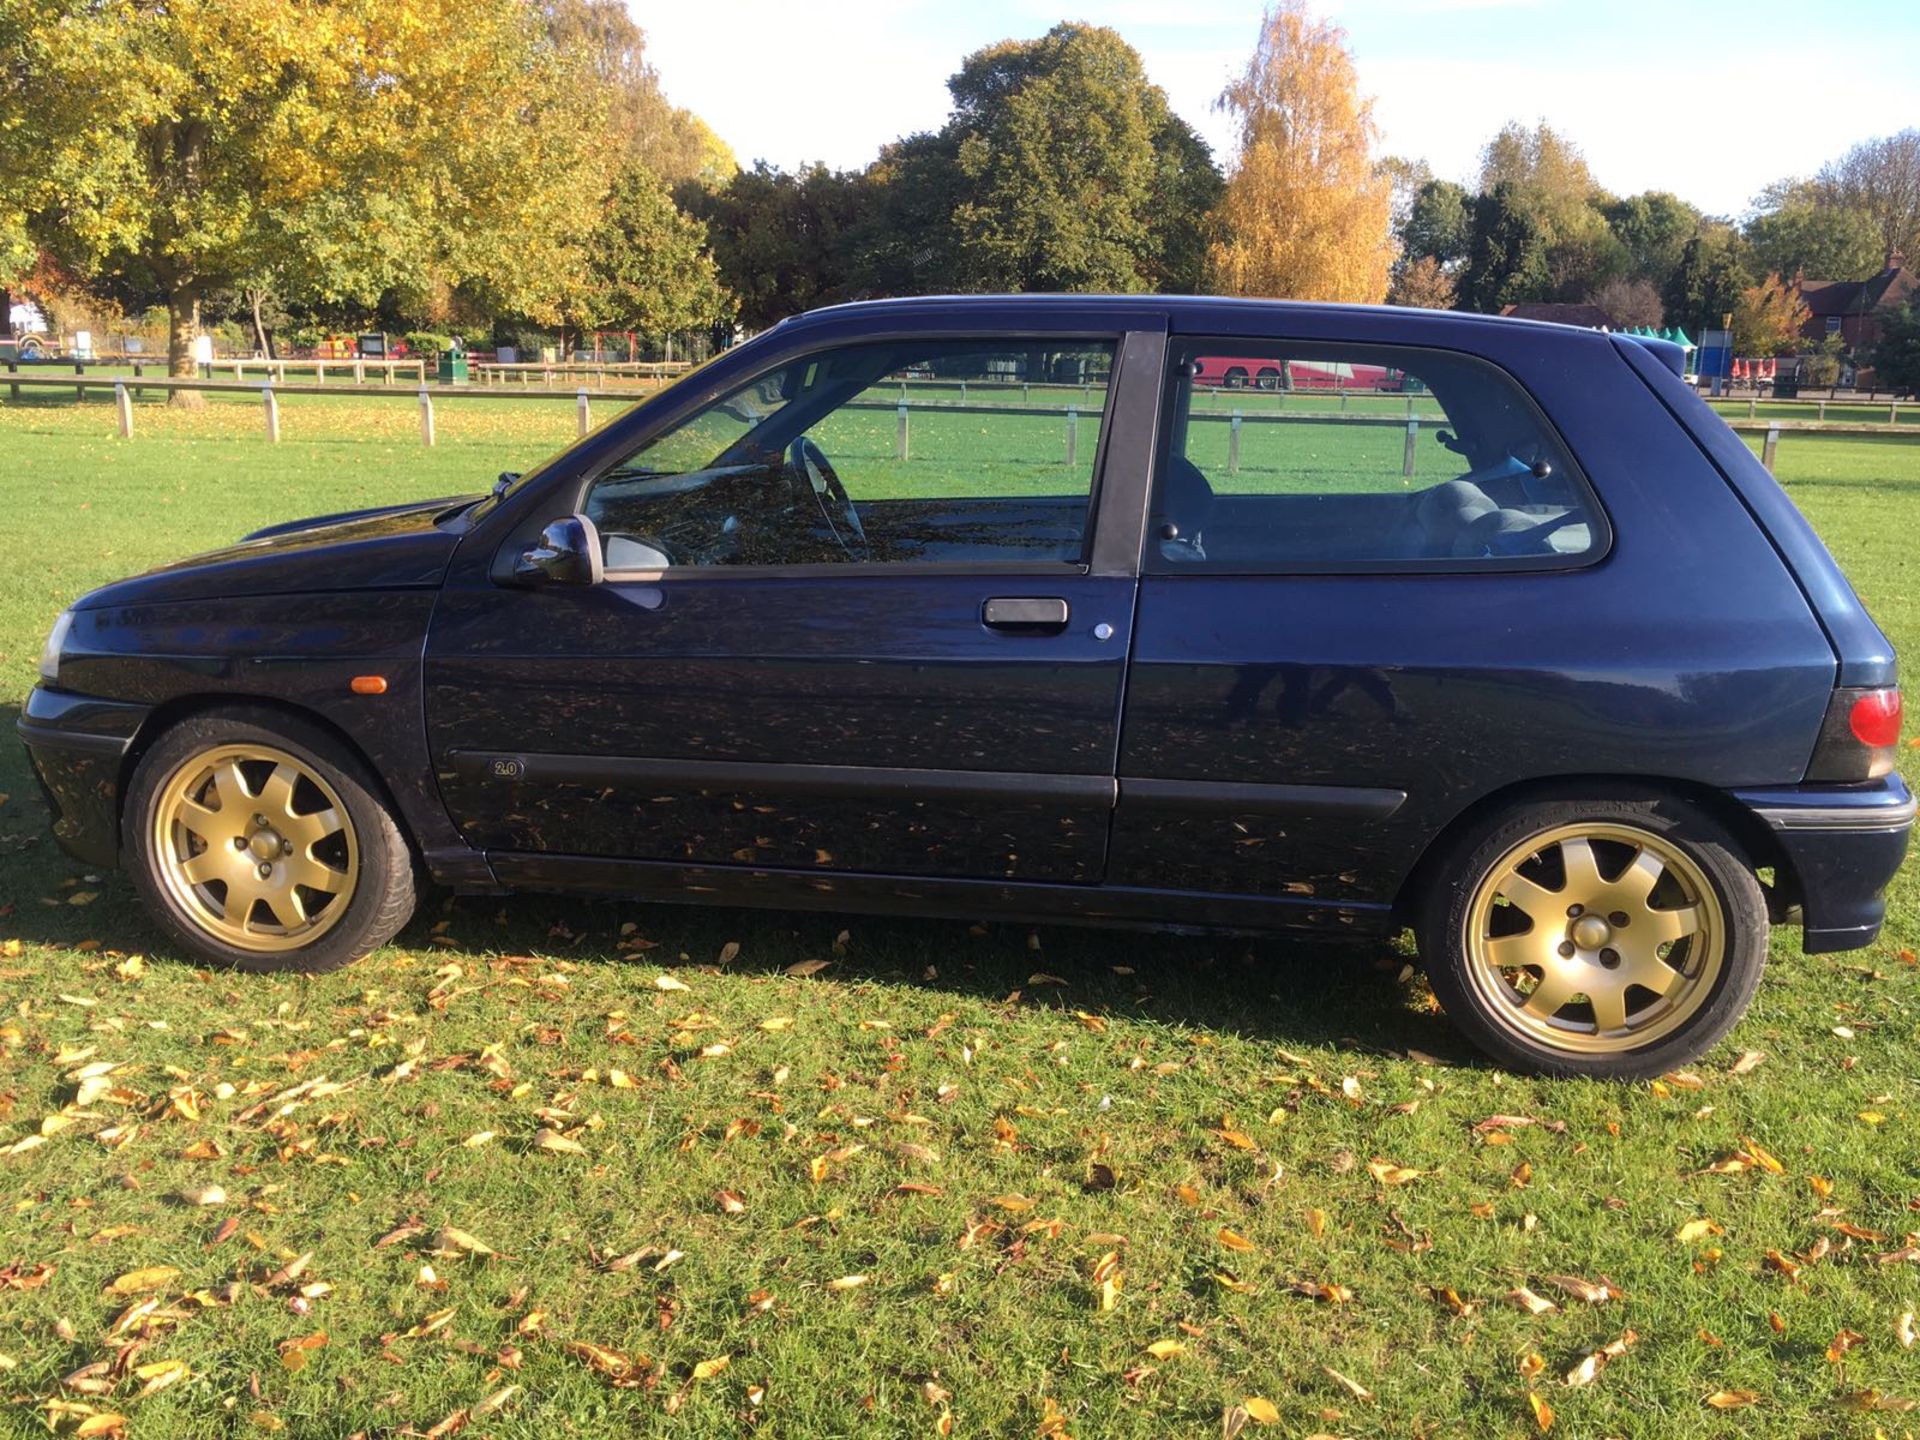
(426, 395)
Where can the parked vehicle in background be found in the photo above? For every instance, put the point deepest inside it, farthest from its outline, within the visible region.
(1548, 668)
(1239, 372)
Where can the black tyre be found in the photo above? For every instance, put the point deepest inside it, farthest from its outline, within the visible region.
(1607, 934)
(260, 843)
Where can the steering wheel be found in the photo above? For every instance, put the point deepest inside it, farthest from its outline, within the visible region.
(836, 507)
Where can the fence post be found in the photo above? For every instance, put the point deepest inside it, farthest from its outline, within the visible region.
(1893, 414)
(1753, 406)
(1343, 402)
(319, 372)
(900, 432)
(359, 371)
(13, 368)
(1823, 410)
(426, 417)
(270, 403)
(239, 372)
(1233, 444)
(1073, 433)
(1413, 434)
(123, 402)
(1772, 444)
(79, 391)
(585, 409)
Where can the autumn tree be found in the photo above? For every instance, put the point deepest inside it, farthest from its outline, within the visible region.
(1629, 301)
(1307, 213)
(346, 150)
(1422, 284)
(1767, 318)
(1882, 178)
(642, 123)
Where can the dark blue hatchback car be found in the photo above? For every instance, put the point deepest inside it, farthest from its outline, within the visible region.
(1153, 611)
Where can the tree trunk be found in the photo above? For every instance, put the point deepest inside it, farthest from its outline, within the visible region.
(260, 330)
(183, 328)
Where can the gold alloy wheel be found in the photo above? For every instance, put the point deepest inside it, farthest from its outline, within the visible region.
(1595, 938)
(255, 848)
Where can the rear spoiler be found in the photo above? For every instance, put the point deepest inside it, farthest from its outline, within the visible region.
(1668, 352)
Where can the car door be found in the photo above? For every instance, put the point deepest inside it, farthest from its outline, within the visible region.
(855, 616)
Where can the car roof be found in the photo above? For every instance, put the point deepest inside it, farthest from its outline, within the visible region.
(1183, 313)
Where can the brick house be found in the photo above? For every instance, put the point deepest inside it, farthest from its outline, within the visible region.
(1851, 308)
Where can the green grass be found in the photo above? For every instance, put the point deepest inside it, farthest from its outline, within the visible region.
(1143, 1093)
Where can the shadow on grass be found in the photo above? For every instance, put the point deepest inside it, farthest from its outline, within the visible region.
(1277, 988)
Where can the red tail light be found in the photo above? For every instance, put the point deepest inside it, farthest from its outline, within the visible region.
(1859, 736)
(1874, 718)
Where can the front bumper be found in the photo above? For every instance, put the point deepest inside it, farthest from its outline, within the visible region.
(1843, 844)
(78, 745)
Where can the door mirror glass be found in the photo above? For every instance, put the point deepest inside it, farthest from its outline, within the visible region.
(567, 553)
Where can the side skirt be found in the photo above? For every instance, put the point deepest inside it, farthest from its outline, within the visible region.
(1123, 906)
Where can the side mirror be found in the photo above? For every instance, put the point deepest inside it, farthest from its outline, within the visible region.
(567, 553)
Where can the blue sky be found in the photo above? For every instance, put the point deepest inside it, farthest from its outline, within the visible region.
(1709, 101)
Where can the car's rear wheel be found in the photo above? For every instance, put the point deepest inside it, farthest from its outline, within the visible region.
(1605, 935)
(260, 843)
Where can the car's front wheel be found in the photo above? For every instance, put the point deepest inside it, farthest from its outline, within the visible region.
(1607, 935)
(260, 843)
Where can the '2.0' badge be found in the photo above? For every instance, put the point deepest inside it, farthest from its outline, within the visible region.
(508, 769)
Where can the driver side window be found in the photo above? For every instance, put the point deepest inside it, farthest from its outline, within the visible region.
(932, 451)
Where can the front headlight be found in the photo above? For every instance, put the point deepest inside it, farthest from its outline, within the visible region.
(56, 642)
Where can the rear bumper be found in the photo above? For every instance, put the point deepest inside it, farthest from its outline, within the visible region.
(1843, 843)
(78, 745)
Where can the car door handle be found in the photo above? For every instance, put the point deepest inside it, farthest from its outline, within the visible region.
(1030, 613)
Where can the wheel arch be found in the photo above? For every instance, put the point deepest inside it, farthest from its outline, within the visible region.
(1757, 842)
(170, 713)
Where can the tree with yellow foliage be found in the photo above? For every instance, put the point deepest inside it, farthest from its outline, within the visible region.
(1307, 212)
(345, 149)
(1767, 318)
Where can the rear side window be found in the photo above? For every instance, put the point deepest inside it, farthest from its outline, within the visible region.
(1309, 457)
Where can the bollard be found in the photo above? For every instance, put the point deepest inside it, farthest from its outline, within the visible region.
(270, 403)
(900, 432)
(1233, 444)
(1406, 460)
(123, 402)
(426, 417)
(1073, 433)
(585, 409)
(1772, 444)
